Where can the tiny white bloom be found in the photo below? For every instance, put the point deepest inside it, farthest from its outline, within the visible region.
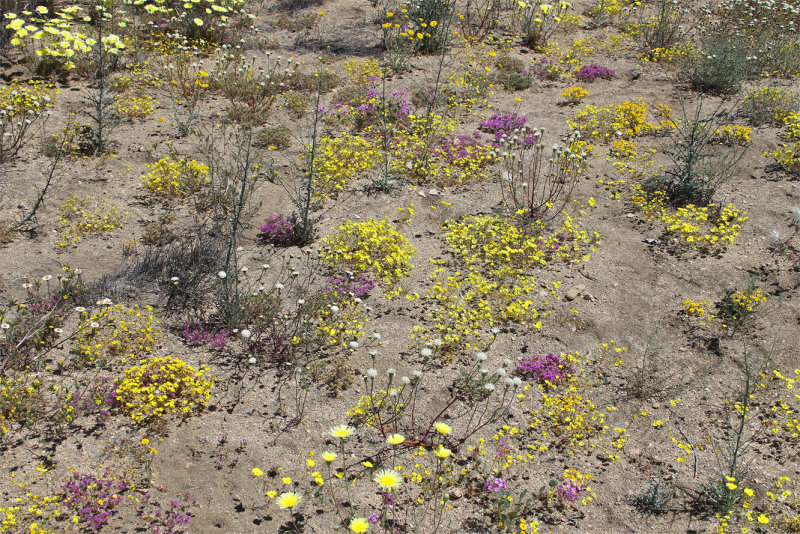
(390, 371)
(246, 333)
(278, 286)
(481, 356)
(426, 352)
(372, 372)
(353, 345)
(47, 277)
(334, 309)
(222, 274)
(252, 360)
(489, 387)
(500, 372)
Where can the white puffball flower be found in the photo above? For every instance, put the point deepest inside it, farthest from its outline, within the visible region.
(495, 330)
(426, 352)
(484, 371)
(405, 380)
(278, 286)
(174, 279)
(372, 372)
(222, 274)
(506, 362)
(252, 360)
(437, 342)
(774, 238)
(796, 214)
(376, 335)
(265, 266)
(390, 371)
(353, 345)
(373, 352)
(489, 387)
(334, 309)
(245, 269)
(508, 382)
(517, 381)
(417, 373)
(500, 372)
(481, 356)
(245, 333)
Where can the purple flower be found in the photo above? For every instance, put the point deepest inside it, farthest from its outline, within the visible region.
(279, 230)
(505, 126)
(374, 518)
(569, 491)
(360, 286)
(543, 369)
(495, 485)
(589, 73)
(212, 335)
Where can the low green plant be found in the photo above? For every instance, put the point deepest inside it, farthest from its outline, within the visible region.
(769, 105)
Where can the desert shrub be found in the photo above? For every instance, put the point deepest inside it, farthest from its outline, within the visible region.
(429, 23)
(82, 217)
(160, 387)
(722, 63)
(769, 105)
(370, 247)
(116, 331)
(23, 108)
(733, 134)
(253, 90)
(169, 177)
(296, 104)
(662, 29)
(279, 137)
(212, 21)
(698, 164)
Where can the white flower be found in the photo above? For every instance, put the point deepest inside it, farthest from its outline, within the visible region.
(373, 352)
(252, 360)
(278, 286)
(26, 285)
(517, 381)
(426, 352)
(489, 387)
(300, 302)
(508, 382)
(245, 269)
(265, 266)
(80, 309)
(437, 342)
(334, 309)
(372, 372)
(5, 326)
(774, 238)
(417, 373)
(47, 277)
(57, 330)
(390, 371)
(245, 333)
(500, 372)
(506, 362)
(353, 345)
(95, 325)
(484, 371)
(104, 302)
(481, 356)
(376, 335)
(222, 274)
(174, 279)
(796, 214)
(495, 330)
(405, 380)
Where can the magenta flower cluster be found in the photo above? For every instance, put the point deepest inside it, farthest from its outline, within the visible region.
(170, 519)
(214, 336)
(360, 286)
(397, 107)
(505, 126)
(548, 368)
(569, 491)
(495, 485)
(92, 499)
(460, 148)
(279, 230)
(589, 73)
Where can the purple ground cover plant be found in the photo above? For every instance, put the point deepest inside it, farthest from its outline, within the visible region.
(173, 518)
(98, 398)
(589, 73)
(569, 491)
(495, 485)
(549, 368)
(360, 286)
(279, 230)
(92, 499)
(505, 126)
(212, 335)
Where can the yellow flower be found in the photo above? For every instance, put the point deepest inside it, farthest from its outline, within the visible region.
(329, 456)
(342, 431)
(289, 499)
(257, 472)
(199, 22)
(443, 428)
(287, 480)
(358, 525)
(388, 479)
(271, 494)
(145, 441)
(442, 452)
(763, 519)
(395, 439)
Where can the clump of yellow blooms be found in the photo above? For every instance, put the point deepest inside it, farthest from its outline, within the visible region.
(341, 324)
(81, 217)
(702, 229)
(626, 120)
(700, 309)
(29, 511)
(733, 135)
(370, 247)
(786, 495)
(340, 160)
(769, 105)
(670, 54)
(574, 95)
(175, 178)
(134, 106)
(17, 398)
(21, 106)
(163, 386)
(116, 331)
(362, 72)
(787, 155)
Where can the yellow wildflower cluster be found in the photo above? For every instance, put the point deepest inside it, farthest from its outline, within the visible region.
(568, 60)
(370, 406)
(370, 247)
(175, 178)
(163, 386)
(468, 87)
(567, 420)
(649, 205)
(343, 323)
(699, 309)
(784, 416)
(422, 35)
(56, 35)
(626, 120)
(769, 104)
(733, 135)
(134, 106)
(19, 398)
(702, 229)
(21, 107)
(786, 496)
(787, 155)
(116, 331)
(501, 248)
(574, 95)
(340, 160)
(669, 54)
(81, 217)
(28, 511)
(205, 19)
(362, 72)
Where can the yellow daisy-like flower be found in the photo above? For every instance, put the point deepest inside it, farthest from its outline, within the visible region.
(257, 472)
(329, 456)
(443, 428)
(388, 479)
(289, 499)
(342, 431)
(199, 22)
(287, 480)
(763, 519)
(442, 452)
(395, 439)
(359, 525)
